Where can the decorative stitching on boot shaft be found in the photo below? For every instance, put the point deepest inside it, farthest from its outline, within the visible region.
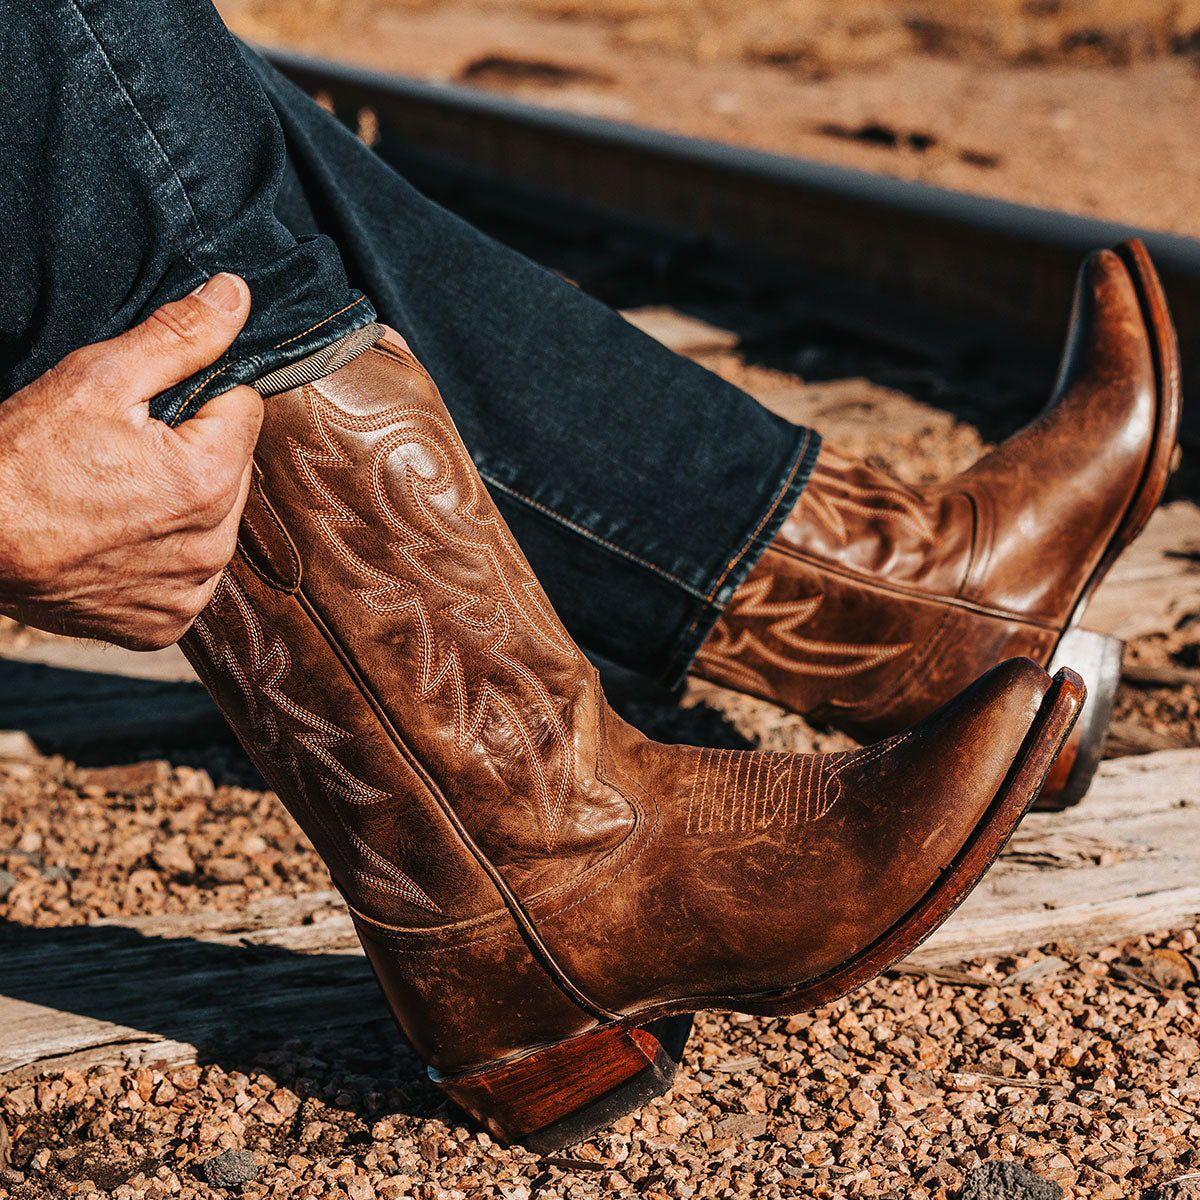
(726, 651)
(424, 451)
(285, 727)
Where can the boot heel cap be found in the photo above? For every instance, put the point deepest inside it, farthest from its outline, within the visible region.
(563, 1094)
(1097, 657)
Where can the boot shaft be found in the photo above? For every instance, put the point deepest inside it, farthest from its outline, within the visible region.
(393, 668)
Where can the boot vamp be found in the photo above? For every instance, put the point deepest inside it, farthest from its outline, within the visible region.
(757, 872)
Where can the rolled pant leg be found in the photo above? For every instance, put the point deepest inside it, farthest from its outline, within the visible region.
(641, 487)
(140, 156)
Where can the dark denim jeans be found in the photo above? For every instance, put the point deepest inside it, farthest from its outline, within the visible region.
(144, 151)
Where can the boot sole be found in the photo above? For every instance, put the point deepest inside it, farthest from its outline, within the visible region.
(557, 1095)
(1081, 756)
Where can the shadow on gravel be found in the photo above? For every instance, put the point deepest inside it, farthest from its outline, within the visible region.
(317, 1023)
(99, 720)
(88, 712)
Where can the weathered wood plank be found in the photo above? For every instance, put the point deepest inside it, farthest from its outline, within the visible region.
(172, 987)
(1156, 582)
(1127, 861)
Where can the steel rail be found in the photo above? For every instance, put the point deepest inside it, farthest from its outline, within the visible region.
(923, 260)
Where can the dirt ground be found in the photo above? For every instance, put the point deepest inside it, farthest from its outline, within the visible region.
(1091, 106)
(1084, 1068)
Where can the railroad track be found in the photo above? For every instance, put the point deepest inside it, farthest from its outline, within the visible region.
(919, 266)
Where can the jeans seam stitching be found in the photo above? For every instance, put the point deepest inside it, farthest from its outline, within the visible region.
(587, 533)
(209, 378)
(108, 64)
(737, 558)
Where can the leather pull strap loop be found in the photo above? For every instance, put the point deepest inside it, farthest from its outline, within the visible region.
(264, 543)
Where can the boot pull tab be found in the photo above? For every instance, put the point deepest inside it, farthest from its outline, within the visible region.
(264, 543)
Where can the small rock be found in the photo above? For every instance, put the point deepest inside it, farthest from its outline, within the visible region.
(173, 858)
(1008, 1181)
(230, 1169)
(56, 873)
(126, 779)
(1186, 1187)
(744, 1126)
(7, 882)
(14, 743)
(1041, 969)
(673, 1125)
(358, 1187)
(1170, 969)
(226, 870)
(195, 782)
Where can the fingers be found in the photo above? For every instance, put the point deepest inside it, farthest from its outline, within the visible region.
(226, 427)
(212, 452)
(208, 553)
(174, 342)
(196, 564)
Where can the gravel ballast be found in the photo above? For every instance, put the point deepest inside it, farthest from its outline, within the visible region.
(1084, 1069)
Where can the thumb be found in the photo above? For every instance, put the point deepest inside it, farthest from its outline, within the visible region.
(174, 342)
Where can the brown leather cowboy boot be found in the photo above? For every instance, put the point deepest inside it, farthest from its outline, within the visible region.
(539, 888)
(877, 602)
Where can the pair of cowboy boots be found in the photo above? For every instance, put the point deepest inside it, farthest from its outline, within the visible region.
(545, 894)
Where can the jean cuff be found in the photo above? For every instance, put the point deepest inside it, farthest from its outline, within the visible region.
(741, 560)
(185, 399)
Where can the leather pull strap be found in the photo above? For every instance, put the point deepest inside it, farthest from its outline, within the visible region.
(264, 543)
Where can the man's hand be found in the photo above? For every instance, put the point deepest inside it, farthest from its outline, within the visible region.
(112, 524)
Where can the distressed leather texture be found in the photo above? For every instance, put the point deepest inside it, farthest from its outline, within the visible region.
(520, 863)
(877, 601)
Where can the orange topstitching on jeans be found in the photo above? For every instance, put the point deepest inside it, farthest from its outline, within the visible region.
(287, 341)
(737, 558)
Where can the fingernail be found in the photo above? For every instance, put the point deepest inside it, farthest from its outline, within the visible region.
(222, 292)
